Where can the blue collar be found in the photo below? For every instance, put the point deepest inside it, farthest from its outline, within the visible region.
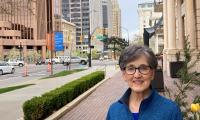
(144, 104)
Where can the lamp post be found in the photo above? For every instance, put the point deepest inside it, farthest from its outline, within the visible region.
(127, 33)
(20, 51)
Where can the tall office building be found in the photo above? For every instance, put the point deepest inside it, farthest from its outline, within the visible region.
(101, 16)
(77, 12)
(101, 20)
(116, 19)
(88, 15)
(23, 26)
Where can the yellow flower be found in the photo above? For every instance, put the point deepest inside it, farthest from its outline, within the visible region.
(195, 107)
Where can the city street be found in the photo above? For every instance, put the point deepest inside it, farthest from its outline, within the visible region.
(36, 36)
(35, 72)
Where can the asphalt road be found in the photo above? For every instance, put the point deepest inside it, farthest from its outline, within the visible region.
(39, 71)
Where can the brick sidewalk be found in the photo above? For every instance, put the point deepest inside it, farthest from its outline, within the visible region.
(95, 106)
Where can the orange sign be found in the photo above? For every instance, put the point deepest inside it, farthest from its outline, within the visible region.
(50, 41)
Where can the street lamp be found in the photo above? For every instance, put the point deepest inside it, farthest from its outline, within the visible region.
(20, 50)
(127, 32)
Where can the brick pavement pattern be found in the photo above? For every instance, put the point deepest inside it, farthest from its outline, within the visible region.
(95, 106)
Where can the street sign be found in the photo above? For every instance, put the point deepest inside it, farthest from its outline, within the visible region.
(58, 41)
(101, 37)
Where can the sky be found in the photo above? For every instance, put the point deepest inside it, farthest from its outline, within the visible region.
(129, 17)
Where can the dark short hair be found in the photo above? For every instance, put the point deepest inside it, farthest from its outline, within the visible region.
(134, 52)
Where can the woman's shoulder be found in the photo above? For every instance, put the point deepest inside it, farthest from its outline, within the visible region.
(167, 103)
(167, 107)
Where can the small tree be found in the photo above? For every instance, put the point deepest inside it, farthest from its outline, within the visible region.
(13, 54)
(116, 45)
(187, 80)
(95, 54)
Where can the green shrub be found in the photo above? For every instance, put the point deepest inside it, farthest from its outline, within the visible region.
(39, 108)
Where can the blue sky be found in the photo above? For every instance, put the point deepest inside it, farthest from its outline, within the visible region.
(129, 16)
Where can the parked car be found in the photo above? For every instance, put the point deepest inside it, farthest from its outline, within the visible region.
(40, 62)
(60, 59)
(76, 59)
(47, 61)
(6, 68)
(105, 57)
(16, 62)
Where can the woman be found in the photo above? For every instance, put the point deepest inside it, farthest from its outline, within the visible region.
(140, 101)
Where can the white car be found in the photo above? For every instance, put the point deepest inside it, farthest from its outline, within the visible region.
(6, 68)
(19, 63)
(47, 61)
(76, 59)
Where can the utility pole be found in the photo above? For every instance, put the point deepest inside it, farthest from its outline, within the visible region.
(50, 30)
(89, 46)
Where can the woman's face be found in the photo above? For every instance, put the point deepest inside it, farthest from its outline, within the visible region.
(138, 74)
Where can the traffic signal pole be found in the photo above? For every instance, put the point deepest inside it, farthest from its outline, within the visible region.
(89, 46)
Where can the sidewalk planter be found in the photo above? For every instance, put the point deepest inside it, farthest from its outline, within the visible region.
(158, 82)
(38, 108)
(175, 67)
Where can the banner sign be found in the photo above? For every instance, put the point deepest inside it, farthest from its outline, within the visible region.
(58, 38)
(50, 41)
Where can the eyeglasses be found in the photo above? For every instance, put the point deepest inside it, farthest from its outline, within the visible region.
(143, 69)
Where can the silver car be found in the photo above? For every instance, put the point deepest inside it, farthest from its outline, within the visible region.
(76, 59)
(6, 68)
(16, 62)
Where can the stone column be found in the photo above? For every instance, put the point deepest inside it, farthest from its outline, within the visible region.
(1, 52)
(165, 20)
(171, 34)
(180, 42)
(190, 20)
(171, 24)
(43, 52)
(198, 21)
(165, 17)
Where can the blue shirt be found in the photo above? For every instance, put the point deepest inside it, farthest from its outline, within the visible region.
(155, 107)
(135, 116)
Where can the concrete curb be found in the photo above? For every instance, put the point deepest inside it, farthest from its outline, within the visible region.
(58, 114)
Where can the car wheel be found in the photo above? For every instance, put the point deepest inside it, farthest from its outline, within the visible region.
(83, 62)
(1, 72)
(20, 65)
(13, 70)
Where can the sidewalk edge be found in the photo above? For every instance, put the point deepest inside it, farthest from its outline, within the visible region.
(62, 111)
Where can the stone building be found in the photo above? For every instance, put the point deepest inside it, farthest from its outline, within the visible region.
(181, 19)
